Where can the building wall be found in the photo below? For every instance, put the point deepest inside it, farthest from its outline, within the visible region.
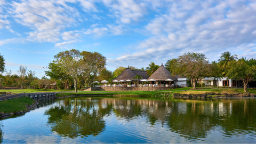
(181, 82)
(220, 81)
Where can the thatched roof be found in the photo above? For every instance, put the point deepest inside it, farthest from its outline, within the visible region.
(129, 74)
(162, 74)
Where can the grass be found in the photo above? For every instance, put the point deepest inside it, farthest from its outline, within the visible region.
(217, 90)
(134, 93)
(31, 90)
(15, 105)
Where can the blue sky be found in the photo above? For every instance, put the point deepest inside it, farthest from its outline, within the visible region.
(127, 32)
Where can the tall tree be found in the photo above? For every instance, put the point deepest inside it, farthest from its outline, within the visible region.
(242, 69)
(193, 66)
(151, 68)
(79, 65)
(22, 72)
(56, 74)
(215, 71)
(225, 59)
(105, 75)
(170, 64)
(2, 63)
(71, 64)
(94, 62)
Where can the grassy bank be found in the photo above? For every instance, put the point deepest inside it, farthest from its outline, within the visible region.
(15, 105)
(217, 90)
(186, 90)
(102, 93)
(31, 90)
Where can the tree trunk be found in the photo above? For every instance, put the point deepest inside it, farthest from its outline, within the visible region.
(245, 85)
(194, 83)
(75, 83)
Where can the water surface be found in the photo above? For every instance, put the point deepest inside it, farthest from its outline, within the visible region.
(115, 120)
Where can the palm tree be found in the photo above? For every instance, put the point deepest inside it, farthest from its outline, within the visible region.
(152, 68)
(226, 58)
(138, 77)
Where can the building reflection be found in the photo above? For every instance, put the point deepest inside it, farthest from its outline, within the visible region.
(190, 119)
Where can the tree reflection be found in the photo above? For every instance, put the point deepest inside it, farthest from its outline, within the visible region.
(77, 118)
(193, 123)
(190, 119)
(1, 133)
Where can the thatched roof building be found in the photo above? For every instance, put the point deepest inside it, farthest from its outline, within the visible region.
(129, 74)
(162, 74)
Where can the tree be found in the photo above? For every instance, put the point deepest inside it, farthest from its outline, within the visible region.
(79, 65)
(2, 63)
(105, 75)
(170, 64)
(242, 69)
(71, 64)
(56, 73)
(225, 59)
(120, 69)
(138, 77)
(22, 72)
(94, 62)
(215, 71)
(193, 66)
(151, 68)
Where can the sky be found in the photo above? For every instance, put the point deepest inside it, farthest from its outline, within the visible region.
(126, 32)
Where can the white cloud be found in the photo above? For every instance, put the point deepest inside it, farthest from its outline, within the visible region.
(109, 29)
(88, 5)
(64, 43)
(196, 27)
(13, 40)
(126, 10)
(70, 35)
(96, 31)
(2, 2)
(46, 18)
(29, 66)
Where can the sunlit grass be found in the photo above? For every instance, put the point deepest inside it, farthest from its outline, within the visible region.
(15, 105)
(31, 90)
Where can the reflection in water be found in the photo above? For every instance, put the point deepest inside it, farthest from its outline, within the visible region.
(116, 120)
(190, 119)
(1, 133)
(78, 117)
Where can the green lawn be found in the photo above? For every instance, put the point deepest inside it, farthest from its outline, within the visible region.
(137, 93)
(15, 105)
(216, 90)
(31, 90)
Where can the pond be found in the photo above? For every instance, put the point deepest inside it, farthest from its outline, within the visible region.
(125, 120)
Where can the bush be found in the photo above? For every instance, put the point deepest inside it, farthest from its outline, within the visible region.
(60, 85)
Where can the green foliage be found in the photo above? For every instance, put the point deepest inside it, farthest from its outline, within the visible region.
(15, 105)
(170, 65)
(2, 63)
(226, 58)
(118, 71)
(151, 68)
(81, 66)
(59, 84)
(105, 75)
(242, 69)
(191, 65)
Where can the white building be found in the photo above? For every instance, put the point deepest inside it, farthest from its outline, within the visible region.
(182, 82)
